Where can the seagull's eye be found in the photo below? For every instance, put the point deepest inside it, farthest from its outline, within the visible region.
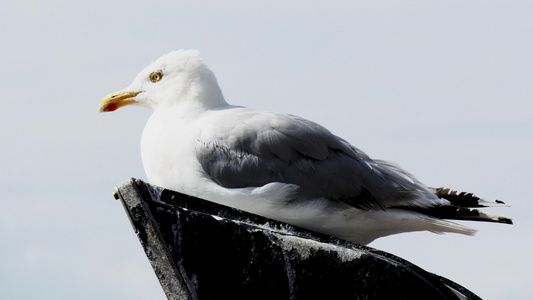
(156, 76)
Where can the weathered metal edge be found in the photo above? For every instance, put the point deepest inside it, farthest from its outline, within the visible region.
(171, 280)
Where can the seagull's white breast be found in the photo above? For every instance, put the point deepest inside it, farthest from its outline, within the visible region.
(167, 149)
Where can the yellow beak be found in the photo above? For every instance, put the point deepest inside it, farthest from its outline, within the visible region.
(116, 100)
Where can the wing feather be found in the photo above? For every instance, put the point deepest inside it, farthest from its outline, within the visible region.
(259, 148)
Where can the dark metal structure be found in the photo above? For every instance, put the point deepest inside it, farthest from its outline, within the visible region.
(202, 250)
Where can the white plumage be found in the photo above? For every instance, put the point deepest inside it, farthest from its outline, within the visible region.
(279, 166)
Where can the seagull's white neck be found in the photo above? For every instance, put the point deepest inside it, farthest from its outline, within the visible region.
(206, 94)
(199, 98)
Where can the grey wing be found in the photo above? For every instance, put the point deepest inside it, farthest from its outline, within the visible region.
(268, 147)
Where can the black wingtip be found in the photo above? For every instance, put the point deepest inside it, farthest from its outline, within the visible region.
(464, 199)
(505, 220)
(453, 212)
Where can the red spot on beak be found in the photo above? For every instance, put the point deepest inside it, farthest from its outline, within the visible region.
(111, 107)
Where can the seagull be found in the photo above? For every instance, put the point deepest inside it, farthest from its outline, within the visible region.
(279, 166)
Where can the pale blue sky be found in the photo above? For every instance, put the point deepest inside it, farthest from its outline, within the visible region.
(443, 88)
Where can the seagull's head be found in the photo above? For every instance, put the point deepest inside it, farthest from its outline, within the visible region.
(179, 77)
